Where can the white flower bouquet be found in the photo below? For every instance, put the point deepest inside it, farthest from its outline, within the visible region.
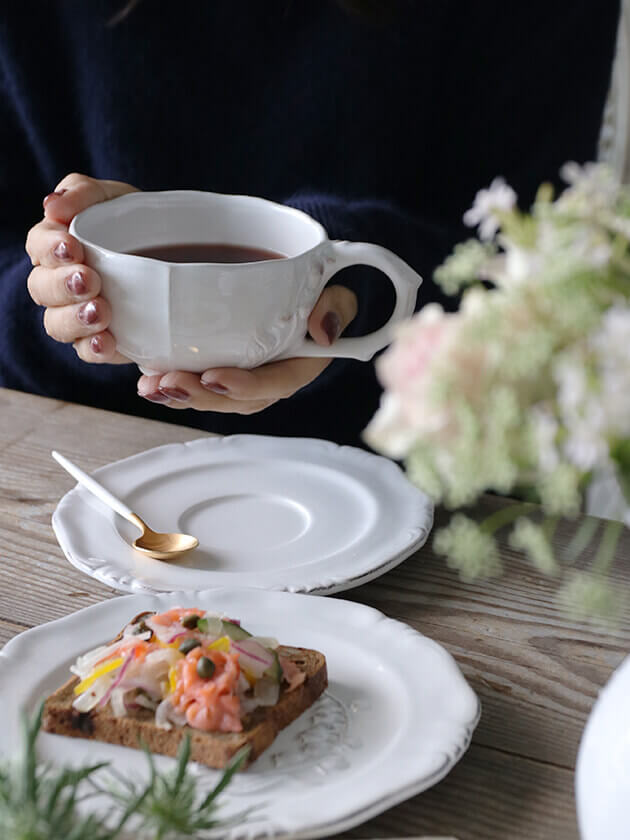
(527, 386)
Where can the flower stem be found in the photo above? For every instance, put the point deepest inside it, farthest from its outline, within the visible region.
(549, 527)
(505, 516)
(582, 538)
(606, 551)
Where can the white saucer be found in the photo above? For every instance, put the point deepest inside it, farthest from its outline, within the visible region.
(297, 514)
(396, 717)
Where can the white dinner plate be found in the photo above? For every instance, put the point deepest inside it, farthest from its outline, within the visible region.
(297, 514)
(396, 717)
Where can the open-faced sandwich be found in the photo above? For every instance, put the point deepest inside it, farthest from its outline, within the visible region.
(187, 671)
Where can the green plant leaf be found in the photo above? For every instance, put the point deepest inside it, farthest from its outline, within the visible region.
(40, 802)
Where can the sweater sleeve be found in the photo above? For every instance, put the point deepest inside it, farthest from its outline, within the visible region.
(29, 359)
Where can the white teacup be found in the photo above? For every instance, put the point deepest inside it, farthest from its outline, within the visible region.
(194, 316)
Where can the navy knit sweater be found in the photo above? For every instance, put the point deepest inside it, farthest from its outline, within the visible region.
(382, 130)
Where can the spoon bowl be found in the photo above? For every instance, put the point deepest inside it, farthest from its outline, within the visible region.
(160, 546)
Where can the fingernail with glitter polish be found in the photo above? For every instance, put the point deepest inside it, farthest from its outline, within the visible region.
(75, 283)
(62, 252)
(331, 324)
(88, 313)
(177, 394)
(155, 397)
(215, 387)
(96, 344)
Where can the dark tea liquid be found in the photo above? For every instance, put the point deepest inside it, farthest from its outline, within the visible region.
(204, 252)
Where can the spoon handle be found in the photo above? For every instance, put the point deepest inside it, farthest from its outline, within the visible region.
(94, 487)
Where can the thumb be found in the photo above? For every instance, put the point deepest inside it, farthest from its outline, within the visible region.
(335, 309)
(77, 192)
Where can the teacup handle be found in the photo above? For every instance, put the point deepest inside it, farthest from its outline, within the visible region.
(406, 282)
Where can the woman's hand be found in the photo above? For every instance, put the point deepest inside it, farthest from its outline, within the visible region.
(75, 312)
(237, 391)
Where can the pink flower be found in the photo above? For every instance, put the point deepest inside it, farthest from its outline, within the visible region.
(407, 373)
(417, 343)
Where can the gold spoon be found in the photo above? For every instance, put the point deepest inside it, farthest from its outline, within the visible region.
(150, 542)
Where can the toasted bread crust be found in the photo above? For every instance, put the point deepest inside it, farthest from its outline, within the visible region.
(213, 749)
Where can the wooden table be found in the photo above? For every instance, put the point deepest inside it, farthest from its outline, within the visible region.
(536, 673)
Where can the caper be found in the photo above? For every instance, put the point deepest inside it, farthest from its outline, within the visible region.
(190, 622)
(189, 644)
(205, 667)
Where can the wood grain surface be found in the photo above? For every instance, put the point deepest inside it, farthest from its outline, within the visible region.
(536, 672)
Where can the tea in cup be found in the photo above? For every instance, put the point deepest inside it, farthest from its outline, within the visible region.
(198, 280)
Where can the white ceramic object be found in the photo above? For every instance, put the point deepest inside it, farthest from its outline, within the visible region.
(194, 316)
(397, 716)
(298, 514)
(166, 547)
(94, 487)
(602, 777)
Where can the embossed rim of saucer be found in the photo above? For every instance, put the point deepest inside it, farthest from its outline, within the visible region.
(408, 716)
(399, 516)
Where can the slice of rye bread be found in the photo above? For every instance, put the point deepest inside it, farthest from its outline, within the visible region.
(214, 749)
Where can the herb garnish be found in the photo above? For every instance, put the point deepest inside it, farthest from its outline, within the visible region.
(40, 801)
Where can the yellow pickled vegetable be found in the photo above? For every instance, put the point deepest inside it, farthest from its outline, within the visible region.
(222, 644)
(104, 669)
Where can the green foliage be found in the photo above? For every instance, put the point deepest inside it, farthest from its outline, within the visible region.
(170, 807)
(620, 455)
(41, 802)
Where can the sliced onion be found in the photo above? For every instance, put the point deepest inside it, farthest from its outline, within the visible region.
(249, 653)
(117, 702)
(117, 680)
(93, 695)
(177, 717)
(248, 704)
(141, 682)
(162, 658)
(162, 714)
(153, 672)
(215, 626)
(254, 658)
(177, 636)
(166, 715)
(145, 702)
(267, 691)
(266, 641)
(85, 664)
